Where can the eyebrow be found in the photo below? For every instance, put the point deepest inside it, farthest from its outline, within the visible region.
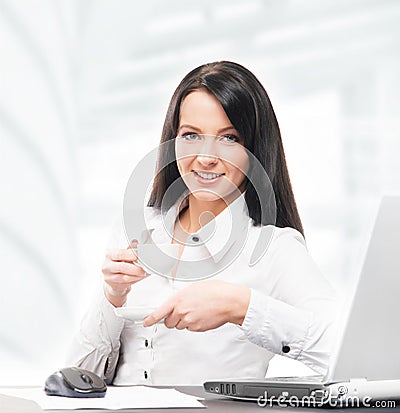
(231, 127)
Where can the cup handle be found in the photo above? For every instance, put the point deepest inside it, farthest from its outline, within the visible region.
(133, 247)
(137, 263)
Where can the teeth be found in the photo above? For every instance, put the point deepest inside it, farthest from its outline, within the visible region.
(208, 176)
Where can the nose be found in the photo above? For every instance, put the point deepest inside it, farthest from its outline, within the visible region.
(208, 152)
(206, 159)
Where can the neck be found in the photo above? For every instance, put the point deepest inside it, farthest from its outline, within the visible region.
(200, 213)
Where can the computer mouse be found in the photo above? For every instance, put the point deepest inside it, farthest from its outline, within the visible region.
(75, 382)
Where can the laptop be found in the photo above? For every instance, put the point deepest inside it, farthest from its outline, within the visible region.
(365, 363)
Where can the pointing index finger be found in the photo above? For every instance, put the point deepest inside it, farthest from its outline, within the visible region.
(161, 312)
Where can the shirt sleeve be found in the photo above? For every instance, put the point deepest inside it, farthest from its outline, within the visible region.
(96, 344)
(296, 318)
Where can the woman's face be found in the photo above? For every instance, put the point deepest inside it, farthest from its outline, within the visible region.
(212, 166)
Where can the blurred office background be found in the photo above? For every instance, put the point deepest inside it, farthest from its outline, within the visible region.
(84, 87)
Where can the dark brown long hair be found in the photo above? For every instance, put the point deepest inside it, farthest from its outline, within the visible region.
(248, 107)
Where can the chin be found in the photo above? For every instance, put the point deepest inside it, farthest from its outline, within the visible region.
(206, 196)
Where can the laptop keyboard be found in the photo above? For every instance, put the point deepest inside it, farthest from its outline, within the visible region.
(313, 379)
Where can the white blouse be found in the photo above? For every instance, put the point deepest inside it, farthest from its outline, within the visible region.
(291, 312)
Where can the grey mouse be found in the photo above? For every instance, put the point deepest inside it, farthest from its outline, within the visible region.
(75, 382)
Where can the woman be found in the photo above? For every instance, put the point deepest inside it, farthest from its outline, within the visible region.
(221, 123)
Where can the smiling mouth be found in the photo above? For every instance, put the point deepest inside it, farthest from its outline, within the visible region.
(207, 176)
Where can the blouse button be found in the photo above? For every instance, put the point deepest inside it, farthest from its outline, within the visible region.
(285, 349)
(145, 374)
(146, 343)
(195, 238)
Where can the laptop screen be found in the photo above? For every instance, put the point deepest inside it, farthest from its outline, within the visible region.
(371, 340)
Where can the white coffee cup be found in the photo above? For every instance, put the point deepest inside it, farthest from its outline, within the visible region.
(157, 258)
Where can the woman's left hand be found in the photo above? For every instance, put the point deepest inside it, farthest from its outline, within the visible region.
(203, 306)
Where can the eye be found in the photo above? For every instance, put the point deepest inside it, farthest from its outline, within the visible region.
(230, 139)
(191, 137)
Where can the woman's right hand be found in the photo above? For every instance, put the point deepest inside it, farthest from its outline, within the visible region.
(120, 273)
